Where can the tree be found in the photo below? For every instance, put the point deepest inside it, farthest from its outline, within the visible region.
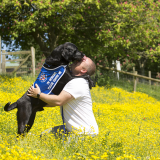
(50, 23)
(132, 30)
(114, 28)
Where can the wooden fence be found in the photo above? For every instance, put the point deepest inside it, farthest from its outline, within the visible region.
(21, 65)
(135, 75)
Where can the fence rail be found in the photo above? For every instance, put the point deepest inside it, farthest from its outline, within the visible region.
(17, 52)
(135, 76)
(30, 53)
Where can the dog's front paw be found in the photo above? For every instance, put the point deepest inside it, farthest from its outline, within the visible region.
(6, 106)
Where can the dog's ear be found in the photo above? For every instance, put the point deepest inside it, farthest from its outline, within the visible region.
(71, 45)
(69, 50)
(54, 58)
(66, 55)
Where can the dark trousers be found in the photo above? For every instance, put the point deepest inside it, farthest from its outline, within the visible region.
(58, 131)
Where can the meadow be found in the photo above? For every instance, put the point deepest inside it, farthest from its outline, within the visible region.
(128, 123)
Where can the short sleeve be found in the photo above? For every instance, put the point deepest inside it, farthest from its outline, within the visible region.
(76, 87)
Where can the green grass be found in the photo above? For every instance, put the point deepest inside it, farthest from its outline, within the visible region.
(151, 90)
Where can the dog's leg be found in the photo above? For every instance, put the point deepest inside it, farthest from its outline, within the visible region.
(30, 122)
(23, 116)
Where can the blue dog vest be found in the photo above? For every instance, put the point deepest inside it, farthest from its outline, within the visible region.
(48, 78)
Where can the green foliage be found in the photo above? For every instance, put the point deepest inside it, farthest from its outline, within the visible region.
(49, 24)
(158, 75)
(101, 76)
(127, 65)
(131, 27)
(123, 27)
(103, 79)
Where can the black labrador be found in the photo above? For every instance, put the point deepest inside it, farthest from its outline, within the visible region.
(28, 106)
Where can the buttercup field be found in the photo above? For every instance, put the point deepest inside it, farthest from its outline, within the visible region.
(128, 127)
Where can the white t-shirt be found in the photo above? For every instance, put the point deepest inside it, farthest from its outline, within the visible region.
(78, 113)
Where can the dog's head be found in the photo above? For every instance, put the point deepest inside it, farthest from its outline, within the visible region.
(71, 53)
(63, 54)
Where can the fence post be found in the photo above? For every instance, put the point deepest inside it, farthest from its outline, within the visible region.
(0, 57)
(3, 62)
(135, 82)
(33, 61)
(157, 82)
(133, 72)
(149, 74)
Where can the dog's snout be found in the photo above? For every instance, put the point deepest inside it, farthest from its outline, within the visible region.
(78, 55)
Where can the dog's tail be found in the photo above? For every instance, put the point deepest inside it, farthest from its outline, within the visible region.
(9, 107)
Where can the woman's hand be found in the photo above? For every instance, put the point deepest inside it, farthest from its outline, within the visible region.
(32, 92)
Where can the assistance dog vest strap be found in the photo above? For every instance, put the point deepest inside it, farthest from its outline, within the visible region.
(48, 78)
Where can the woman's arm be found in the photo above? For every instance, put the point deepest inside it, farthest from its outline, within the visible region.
(51, 100)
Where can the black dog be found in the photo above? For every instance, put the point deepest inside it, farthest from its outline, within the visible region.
(28, 106)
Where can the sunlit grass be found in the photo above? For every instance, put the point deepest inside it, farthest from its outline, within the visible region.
(128, 127)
